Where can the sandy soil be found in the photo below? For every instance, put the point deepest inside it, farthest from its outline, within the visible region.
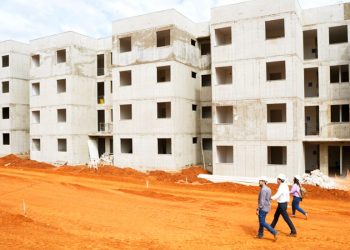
(42, 207)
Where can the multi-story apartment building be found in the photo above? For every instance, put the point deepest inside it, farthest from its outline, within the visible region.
(14, 99)
(262, 88)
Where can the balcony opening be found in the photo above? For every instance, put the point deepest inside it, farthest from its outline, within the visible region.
(125, 78)
(62, 145)
(61, 56)
(223, 36)
(126, 146)
(204, 44)
(274, 29)
(100, 93)
(163, 74)
(275, 71)
(194, 140)
(310, 44)
(163, 38)
(36, 116)
(224, 154)
(111, 57)
(207, 144)
(224, 75)
(340, 113)
(164, 146)
(339, 73)
(338, 34)
(311, 156)
(276, 112)
(101, 125)
(101, 146)
(206, 112)
(163, 110)
(311, 82)
(6, 113)
(5, 139)
(111, 87)
(36, 145)
(36, 60)
(206, 80)
(5, 61)
(125, 44)
(126, 112)
(61, 86)
(194, 75)
(277, 155)
(312, 120)
(5, 87)
(224, 114)
(35, 88)
(61, 115)
(193, 42)
(100, 65)
(334, 160)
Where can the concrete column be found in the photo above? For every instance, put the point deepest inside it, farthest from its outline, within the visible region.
(324, 158)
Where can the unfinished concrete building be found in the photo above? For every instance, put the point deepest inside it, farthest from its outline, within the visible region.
(14, 99)
(262, 88)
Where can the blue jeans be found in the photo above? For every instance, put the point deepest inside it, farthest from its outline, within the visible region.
(295, 205)
(263, 224)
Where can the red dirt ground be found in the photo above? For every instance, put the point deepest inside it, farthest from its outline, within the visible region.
(111, 208)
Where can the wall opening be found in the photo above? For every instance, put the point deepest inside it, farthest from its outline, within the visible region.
(5, 61)
(164, 146)
(164, 110)
(163, 74)
(163, 38)
(6, 113)
(312, 157)
(194, 74)
(340, 113)
(311, 82)
(101, 125)
(312, 120)
(36, 145)
(204, 44)
(274, 29)
(275, 71)
(36, 60)
(100, 65)
(339, 73)
(125, 78)
(223, 36)
(224, 154)
(5, 87)
(277, 155)
(126, 112)
(194, 107)
(61, 56)
(338, 34)
(125, 44)
(276, 112)
(206, 80)
(35, 88)
(193, 42)
(224, 75)
(310, 44)
(100, 93)
(206, 112)
(61, 86)
(207, 144)
(194, 140)
(224, 114)
(62, 145)
(5, 139)
(126, 146)
(36, 116)
(61, 115)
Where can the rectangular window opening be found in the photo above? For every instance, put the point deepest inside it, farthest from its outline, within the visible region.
(277, 155)
(274, 29)
(163, 74)
(125, 78)
(224, 154)
(163, 110)
(338, 34)
(125, 44)
(126, 112)
(224, 75)
(223, 36)
(61, 56)
(276, 112)
(62, 145)
(163, 38)
(164, 146)
(275, 71)
(126, 146)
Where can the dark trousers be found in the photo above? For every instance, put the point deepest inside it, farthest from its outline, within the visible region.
(295, 205)
(263, 224)
(282, 210)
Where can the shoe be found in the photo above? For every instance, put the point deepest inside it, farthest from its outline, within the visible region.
(276, 235)
(306, 216)
(292, 235)
(292, 215)
(259, 236)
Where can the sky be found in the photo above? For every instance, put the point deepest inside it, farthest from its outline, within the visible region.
(24, 20)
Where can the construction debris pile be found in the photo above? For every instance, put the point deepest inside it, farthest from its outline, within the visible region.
(317, 178)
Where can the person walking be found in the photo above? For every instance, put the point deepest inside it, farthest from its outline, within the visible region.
(264, 207)
(282, 198)
(297, 197)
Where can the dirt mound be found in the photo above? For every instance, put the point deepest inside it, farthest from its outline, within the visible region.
(190, 174)
(15, 161)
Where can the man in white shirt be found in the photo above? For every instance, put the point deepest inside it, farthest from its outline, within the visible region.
(282, 197)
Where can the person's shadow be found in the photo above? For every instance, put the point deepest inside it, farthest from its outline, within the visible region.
(252, 231)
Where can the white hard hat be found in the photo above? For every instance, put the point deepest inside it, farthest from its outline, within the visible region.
(297, 177)
(263, 178)
(281, 177)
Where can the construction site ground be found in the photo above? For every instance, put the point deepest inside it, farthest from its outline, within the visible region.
(45, 207)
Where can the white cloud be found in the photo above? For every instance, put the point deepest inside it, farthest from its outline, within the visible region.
(24, 20)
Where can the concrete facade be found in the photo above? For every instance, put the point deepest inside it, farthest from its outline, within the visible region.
(262, 88)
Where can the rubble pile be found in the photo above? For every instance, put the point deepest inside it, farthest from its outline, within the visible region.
(317, 178)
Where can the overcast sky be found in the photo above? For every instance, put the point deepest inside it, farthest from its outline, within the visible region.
(24, 20)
